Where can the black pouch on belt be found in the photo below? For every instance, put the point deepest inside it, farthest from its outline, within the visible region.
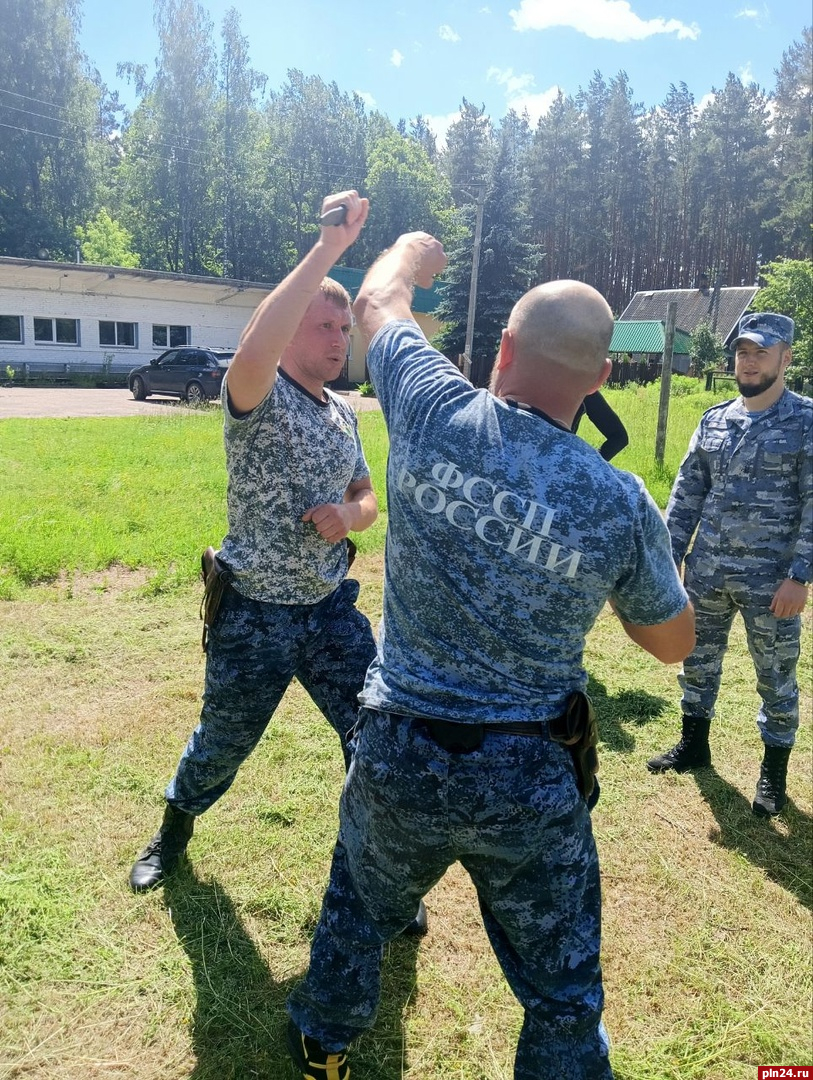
(576, 729)
(216, 576)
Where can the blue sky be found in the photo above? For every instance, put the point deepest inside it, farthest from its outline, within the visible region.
(426, 56)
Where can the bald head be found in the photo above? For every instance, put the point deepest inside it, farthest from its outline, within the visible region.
(554, 349)
(566, 322)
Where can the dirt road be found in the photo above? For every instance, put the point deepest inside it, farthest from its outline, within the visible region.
(26, 401)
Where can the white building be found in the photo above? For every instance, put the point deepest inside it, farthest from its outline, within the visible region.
(75, 317)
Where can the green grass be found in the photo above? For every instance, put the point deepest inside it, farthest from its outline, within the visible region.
(707, 925)
(149, 492)
(707, 909)
(638, 408)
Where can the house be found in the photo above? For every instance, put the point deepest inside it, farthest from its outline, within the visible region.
(643, 340)
(76, 317)
(722, 308)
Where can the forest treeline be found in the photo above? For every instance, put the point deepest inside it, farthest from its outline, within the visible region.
(214, 172)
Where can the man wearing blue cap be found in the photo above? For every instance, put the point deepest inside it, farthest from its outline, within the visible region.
(746, 485)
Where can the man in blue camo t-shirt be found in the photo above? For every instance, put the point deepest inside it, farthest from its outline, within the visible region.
(507, 535)
(746, 486)
(298, 483)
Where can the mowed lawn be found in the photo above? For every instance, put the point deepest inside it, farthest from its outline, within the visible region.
(707, 917)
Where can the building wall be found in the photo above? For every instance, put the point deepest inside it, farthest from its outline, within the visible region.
(215, 310)
(214, 317)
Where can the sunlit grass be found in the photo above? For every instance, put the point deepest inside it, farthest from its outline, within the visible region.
(82, 495)
(707, 922)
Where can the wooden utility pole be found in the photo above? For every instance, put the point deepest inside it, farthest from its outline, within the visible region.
(666, 379)
(475, 268)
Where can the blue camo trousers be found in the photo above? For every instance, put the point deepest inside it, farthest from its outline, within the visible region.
(773, 644)
(255, 651)
(511, 813)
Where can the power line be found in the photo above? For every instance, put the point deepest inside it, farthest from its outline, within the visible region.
(28, 97)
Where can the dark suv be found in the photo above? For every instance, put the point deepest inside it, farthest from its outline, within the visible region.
(188, 372)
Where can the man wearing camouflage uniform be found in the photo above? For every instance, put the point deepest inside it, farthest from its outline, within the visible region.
(507, 535)
(298, 483)
(746, 486)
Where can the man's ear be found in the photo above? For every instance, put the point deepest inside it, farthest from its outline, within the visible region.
(505, 353)
(606, 371)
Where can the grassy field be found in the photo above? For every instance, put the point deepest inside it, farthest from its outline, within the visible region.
(707, 940)
(148, 492)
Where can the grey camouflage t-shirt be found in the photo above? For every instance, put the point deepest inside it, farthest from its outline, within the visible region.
(507, 535)
(291, 453)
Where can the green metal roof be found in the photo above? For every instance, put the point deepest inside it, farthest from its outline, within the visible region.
(424, 302)
(646, 336)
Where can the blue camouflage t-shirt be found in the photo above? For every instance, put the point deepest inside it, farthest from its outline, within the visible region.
(291, 453)
(506, 536)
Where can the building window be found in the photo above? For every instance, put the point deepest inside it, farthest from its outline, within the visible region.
(170, 337)
(11, 328)
(56, 331)
(117, 333)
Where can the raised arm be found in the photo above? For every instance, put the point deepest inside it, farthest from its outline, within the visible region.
(386, 293)
(607, 421)
(254, 368)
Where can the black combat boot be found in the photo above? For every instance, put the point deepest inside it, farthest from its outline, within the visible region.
(691, 752)
(770, 798)
(161, 855)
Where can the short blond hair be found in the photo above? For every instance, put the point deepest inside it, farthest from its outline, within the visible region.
(335, 292)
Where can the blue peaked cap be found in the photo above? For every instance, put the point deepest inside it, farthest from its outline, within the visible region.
(766, 329)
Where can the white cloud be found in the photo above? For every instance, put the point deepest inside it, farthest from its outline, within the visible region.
(440, 125)
(536, 105)
(746, 74)
(447, 34)
(705, 101)
(368, 99)
(760, 16)
(397, 58)
(514, 84)
(613, 20)
(520, 95)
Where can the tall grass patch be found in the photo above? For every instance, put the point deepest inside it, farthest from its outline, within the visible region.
(638, 408)
(149, 492)
(82, 495)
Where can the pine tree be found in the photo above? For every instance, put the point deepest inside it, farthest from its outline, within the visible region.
(509, 265)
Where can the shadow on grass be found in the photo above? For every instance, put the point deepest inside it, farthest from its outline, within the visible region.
(614, 711)
(238, 1027)
(782, 847)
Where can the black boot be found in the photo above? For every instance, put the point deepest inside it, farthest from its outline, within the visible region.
(161, 855)
(770, 798)
(691, 752)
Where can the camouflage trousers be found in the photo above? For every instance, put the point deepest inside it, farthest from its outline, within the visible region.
(773, 644)
(511, 813)
(255, 650)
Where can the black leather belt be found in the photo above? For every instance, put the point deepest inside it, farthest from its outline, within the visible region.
(460, 738)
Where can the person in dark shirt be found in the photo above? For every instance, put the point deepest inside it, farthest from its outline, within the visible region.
(607, 421)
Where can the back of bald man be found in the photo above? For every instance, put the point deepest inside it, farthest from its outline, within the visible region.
(553, 353)
(566, 322)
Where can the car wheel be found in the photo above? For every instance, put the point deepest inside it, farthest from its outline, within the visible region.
(138, 388)
(195, 394)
